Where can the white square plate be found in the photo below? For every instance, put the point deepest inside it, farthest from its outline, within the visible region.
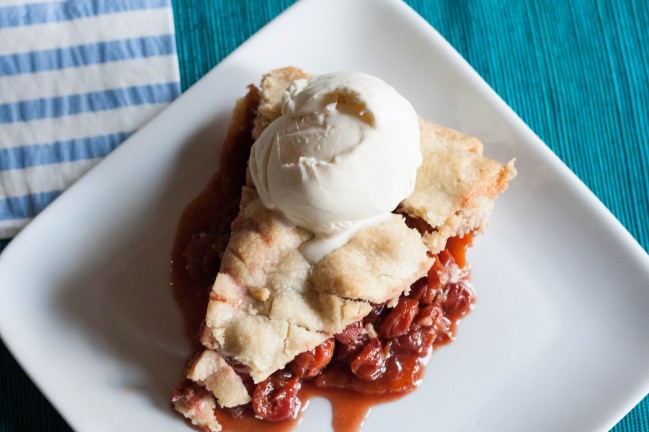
(560, 338)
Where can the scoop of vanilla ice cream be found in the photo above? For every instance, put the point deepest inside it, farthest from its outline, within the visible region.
(341, 156)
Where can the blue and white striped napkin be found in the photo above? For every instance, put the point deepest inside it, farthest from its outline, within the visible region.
(77, 77)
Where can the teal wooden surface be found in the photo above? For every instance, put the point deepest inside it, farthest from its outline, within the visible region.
(576, 72)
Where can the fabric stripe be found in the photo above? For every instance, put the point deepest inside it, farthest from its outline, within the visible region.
(133, 24)
(38, 13)
(43, 177)
(86, 79)
(27, 205)
(76, 127)
(82, 55)
(61, 151)
(9, 227)
(93, 101)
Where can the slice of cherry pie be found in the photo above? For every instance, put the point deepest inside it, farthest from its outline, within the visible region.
(366, 315)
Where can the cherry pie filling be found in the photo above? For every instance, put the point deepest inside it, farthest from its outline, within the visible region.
(385, 352)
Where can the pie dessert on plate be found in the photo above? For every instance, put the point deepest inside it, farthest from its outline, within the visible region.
(349, 276)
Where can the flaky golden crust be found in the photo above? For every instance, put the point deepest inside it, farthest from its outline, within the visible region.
(272, 87)
(212, 371)
(456, 186)
(269, 304)
(197, 405)
(376, 265)
(255, 267)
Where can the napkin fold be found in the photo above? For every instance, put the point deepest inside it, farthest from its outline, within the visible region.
(77, 77)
